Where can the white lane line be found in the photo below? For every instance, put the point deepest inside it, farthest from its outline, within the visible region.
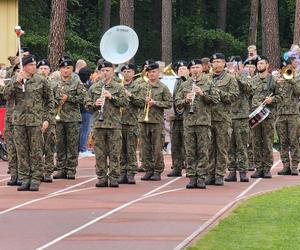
(45, 197)
(254, 183)
(3, 180)
(104, 216)
(4, 175)
(200, 229)
(162, 186)
(42, 198)
(73, 186)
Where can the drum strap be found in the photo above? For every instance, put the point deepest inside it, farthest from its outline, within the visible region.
(269, 82)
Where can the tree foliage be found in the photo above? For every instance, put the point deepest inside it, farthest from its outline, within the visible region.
(194, 27)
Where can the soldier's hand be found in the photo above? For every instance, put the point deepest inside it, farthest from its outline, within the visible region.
(128, 93)
(107, 94)
(64, 98)
(198, 90)
(268, 100)
(99, 101)
(151, 103)
(2, 83)
(189, 97)
(20, 77)
(45, 126)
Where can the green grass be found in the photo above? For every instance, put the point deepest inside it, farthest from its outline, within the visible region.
(269, 221)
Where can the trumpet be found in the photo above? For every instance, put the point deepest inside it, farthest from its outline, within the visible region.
(59, 108)
(147, 107)
(288, 72)
(101, 111)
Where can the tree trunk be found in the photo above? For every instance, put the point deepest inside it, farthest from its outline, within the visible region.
(270, 32)
(166, 31)
(127, 12)
(253, 22)
(106, 15)
(57, 31)
(221, 14)
(297, 24)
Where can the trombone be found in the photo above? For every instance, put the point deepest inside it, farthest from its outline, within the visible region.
(147, 107)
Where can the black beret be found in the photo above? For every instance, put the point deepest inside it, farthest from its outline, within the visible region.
(66, 62)
(152, 66)
(179, 64)
(84, 74)
(28, 59)
(194, 62)
(16, 67)
(128, 66)
(148, 62)
(217, 56)
(43, 62)
(23, 50)
(259, 58)
(64, 58)
(106, 64)
(250, 62)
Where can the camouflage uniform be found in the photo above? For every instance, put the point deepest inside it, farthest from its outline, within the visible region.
(197, 126)
(264, 132)
(68, 128)
(221, 125)
(9, 139)
(130, 129)
(151, 131)
(238, 155)
(50, 139)
(177, 135)
(287, 125)
(31, 108)
(107, 134)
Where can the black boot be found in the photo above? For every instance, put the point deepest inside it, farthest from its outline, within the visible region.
(13, 181)
(294, 171)
(174, 173)
(147, 176)
(243, 177)
(130, 179)
(258, 174)
(71, 175)
(47, 178)
(113, 183)
(34, 186)
(210, 180)
(141, 169)
(24, 186)
(123, 179)
(155, 177)
(60, 175)
(192, 183)
(231, 177)
(251, 167)
(285, 171)
(102, 183)
(201, 183)
(219, 181)
(267, 174)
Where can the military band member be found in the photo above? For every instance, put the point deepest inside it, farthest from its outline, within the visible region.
(8, 135)
(238, 155)
(287, 124)
(33, 106)
(264, 91)
(221, 120)
(105, 98)
(130, 126)
(177, 135)
(157, 97)
(43, 68)
(69, 95)
(195, 97)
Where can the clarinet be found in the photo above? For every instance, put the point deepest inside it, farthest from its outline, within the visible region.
(101, 111)
(192, 106)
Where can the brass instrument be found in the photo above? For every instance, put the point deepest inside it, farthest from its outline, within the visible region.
(288, 72)
(101, 111)
(59, 108)
(169, 71)
(147, 107)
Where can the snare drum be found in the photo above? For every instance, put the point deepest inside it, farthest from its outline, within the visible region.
(258, 115)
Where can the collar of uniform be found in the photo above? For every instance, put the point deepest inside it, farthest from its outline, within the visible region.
(156, 85)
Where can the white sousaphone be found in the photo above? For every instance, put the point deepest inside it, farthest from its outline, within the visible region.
(119, 44)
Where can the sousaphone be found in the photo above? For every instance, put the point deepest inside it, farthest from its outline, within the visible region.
(119, 44)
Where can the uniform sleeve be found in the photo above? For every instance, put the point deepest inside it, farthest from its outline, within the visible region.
(89, 103)
(166, 101)
(77, 96)
(136, 97)
(232, 93)
(120, 99)
(180, 98)
(49, 103)
(212, 95)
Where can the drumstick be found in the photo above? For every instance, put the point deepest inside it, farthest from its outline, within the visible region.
(264, 102)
